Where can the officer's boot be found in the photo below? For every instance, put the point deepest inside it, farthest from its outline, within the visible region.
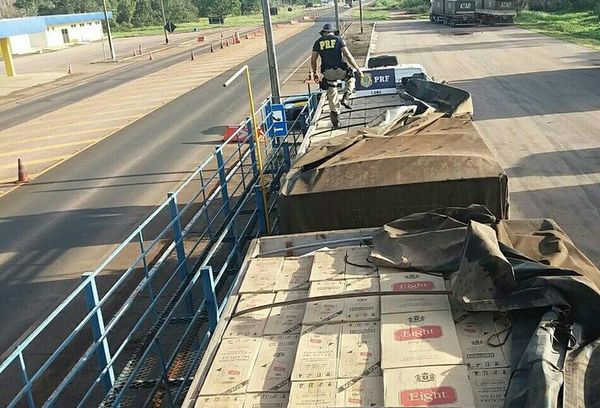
(335, 120)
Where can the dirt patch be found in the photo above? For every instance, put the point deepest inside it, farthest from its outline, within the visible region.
(359, 43)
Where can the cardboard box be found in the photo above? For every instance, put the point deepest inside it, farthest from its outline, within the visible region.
(474, 330)
(360, 392)
(414, 303)
(443, 386)
(392, 280)
(357, 263)
(232, 366)
(328, 265)
(251, 324)
(313, 394)
(361, 308)
(294, 274)
(265, 400)
(325, 311)
(286, 319)
(360, 350)
(489, 386)
(419, 339)
(503, 325)
(220, 401)
(274, 363)
(261, 275)
(317, 355)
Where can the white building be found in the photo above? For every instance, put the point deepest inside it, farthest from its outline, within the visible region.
(56, 31)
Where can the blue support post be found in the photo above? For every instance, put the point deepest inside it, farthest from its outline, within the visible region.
(210, 298)
(25, 377)
(260, 210)
(98, 330)
(223, 181)
(178, 237)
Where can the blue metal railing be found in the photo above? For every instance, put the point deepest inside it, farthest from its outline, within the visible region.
(134, 334)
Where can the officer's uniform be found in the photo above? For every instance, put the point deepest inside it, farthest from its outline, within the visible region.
(334, 68)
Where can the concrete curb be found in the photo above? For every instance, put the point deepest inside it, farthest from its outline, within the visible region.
(372, 44)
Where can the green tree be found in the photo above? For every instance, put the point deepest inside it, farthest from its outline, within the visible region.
(218, 7)
(250, 6)
(180, 10)
(124, 11)
(142, 14)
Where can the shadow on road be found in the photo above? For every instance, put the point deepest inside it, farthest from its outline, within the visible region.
(534, 93)
(559, 163)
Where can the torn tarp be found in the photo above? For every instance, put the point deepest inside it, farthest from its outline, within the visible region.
(553, 306)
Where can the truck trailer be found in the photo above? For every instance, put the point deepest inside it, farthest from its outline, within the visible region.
(453, 12)
(495, 12)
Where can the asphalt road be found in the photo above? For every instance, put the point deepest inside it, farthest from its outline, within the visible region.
(23, 111)
(537, 105)
(69, 219)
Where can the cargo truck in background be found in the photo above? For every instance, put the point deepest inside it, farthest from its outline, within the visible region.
(496, 12)
(472, 12)
(453, 12)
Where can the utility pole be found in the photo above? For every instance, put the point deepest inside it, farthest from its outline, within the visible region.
(162, 7)
(272, 57)
(337, 14)
(362, 29)
(113, 56)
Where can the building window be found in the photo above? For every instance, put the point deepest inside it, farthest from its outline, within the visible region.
(89, 23)
(73, 25)
(81, 25)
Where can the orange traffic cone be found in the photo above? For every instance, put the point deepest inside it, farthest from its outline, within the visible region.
(22, 174)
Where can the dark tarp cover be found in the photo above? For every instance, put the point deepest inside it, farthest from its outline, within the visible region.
(362, 179)
(528, 269)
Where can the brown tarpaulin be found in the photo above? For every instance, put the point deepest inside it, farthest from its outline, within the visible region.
(364, 180)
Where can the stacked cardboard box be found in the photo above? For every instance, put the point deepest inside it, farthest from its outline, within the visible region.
(349, 309)
(393, 350)
(287, 319)
(390, 280)
(342, 263)
(294, 274)
(264, 400)
(261, 275)
(251, 324)
(485, 343)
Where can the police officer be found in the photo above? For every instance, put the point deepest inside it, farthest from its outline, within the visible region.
(334, 53)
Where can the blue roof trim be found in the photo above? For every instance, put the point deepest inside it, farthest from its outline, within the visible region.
(30, 25)
(60, 19)
(18, 26)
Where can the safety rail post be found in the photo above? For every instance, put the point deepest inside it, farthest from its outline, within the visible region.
(210, 297)
(223, 181)
(25, 377)
(260, 210)
(98, 330)
(252, 147)
(286, 153)
(179, 246)
(178, 236)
